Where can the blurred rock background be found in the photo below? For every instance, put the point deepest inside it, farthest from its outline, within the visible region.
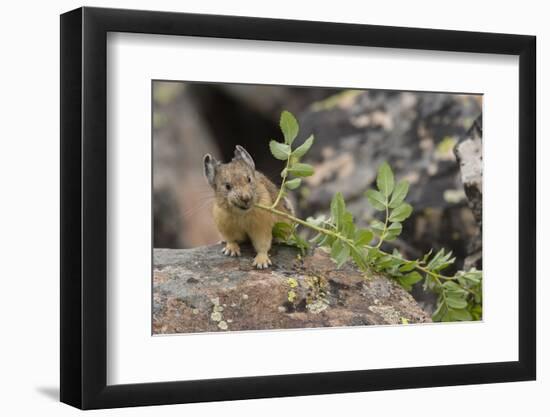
(418, 133)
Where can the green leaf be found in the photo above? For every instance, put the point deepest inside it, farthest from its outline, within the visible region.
(443, 262)
(384, 261)
(408, 266)
(440, 311)
(344, 255)
(377, 227)
(412, 278)
(282, 231)
(373, 254)
(393, 231)
(362, 237)
(401, 212)
(289, 127)
(337, 209)
(327, 241)
(436, 259)
(458, 303)
(473, 276)
(384, 181)
(358, 256)
(399, 194)
(426, 256)
(299, 242)
(477, 296)
(348, 228)
(476, 312)
(293, 184)
(339, 252)
(301, 170)
(459, 315)
(279, 150)
(407, 281)
(452, 286)
(347, 217)
(303, 148)
(429, 283)
(396, 263)
(376, 199)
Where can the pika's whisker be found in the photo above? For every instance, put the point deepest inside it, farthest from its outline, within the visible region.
(193, 210)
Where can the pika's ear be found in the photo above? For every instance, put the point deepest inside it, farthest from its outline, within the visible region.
(243, 155)
(210, 164)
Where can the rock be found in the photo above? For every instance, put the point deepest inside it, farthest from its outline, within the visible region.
(297, 292)
(469, 155)
(269, 100)
(180, 193)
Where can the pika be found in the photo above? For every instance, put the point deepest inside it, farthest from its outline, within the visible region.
(238, 187)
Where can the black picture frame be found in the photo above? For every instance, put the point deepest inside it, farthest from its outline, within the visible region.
(84, 207)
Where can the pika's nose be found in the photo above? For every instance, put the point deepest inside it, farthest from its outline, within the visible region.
(246, 198)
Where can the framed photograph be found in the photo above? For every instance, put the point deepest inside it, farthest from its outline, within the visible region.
(257, 208)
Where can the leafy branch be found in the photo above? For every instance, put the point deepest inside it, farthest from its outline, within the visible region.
(459, 296)
(283, 151)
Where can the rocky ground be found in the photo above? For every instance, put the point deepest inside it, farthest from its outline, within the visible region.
(201, 290)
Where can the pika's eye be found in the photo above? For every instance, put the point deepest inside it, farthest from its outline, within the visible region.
(227, 186)
(249, 179)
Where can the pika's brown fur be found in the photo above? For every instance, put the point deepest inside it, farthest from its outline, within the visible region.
(238, 187)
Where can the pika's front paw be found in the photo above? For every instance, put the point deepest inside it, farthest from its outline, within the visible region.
(231, 249)
(262, 261)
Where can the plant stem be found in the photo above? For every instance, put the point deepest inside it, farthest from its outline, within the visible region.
(350, 242)
(304, 223)
(433, 274)
(282, 189)
(383, 235)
